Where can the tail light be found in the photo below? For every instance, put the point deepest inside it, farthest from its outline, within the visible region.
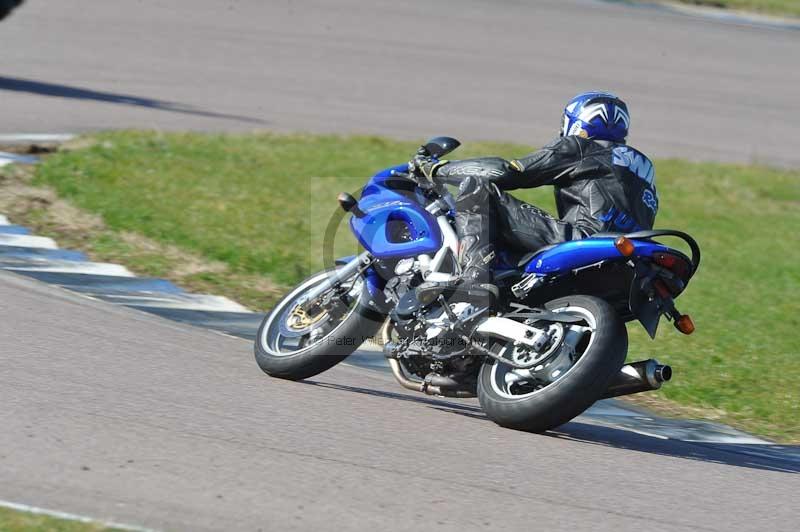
(661, 288)
(677, 265)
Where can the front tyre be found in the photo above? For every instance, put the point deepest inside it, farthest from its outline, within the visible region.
(295, 344)
(579, 371)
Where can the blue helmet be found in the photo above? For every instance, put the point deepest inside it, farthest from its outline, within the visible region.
(596, 115)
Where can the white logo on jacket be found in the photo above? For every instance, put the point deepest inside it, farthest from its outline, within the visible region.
(650, 199)
(635, 162)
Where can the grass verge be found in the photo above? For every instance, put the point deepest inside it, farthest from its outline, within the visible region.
(40, 209)
(769, 7)
(252, 209)
(15, 521)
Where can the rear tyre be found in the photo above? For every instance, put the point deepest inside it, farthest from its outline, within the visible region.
(295, 355)
(516, 399)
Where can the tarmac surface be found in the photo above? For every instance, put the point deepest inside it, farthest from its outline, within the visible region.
(121, 415)
(698, 87)
(40, 258)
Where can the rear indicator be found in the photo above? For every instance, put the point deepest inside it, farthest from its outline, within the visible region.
(685, 324)
(624, 246)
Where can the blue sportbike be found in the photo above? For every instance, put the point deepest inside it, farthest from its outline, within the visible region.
(551, 344)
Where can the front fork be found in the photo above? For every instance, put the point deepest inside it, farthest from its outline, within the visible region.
(362, 262)
(336, 277)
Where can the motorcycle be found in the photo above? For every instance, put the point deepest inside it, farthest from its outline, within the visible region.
(550, 344)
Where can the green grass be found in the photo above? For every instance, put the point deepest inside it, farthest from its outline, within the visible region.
(261, 203)
(774, 7)
(14, 521)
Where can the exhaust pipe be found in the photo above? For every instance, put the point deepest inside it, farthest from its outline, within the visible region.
(403, 379)
(433, 386)
(637, 377)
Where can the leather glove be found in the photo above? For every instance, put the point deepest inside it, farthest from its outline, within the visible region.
(424, 166)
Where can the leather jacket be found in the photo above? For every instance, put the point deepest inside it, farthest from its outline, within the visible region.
(599, 185)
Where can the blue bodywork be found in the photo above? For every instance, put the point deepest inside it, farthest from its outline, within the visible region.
(383, 204)
(383, 201)
(578, 253)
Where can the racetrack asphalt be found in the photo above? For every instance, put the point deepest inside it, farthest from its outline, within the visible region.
(700, 88)
(116, 414)
(121, 415)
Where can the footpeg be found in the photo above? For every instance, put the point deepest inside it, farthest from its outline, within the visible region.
(528, 283)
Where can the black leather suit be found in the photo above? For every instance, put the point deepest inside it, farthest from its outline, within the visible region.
(599, 186)
(6, 6)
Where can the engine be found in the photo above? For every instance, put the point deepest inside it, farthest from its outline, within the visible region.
(428, 339)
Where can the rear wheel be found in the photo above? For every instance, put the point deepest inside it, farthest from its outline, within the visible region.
(584, 358)
(296, 343)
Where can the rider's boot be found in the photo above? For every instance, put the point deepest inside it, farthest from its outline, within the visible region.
(477, 263)
(477, 258)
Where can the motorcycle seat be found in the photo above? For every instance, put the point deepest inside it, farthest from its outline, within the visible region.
(527, 257)
(607, 234)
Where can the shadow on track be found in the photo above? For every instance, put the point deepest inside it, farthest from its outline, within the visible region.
(439, 404)
(785, 459)
(780, 458)
(79, 93)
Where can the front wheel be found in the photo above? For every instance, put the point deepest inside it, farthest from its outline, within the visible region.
(295, 343)
(585, 357)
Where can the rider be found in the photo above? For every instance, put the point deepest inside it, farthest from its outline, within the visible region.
(601, 185)
(6, 6)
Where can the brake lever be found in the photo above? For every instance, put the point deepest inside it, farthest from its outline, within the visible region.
(426, 184)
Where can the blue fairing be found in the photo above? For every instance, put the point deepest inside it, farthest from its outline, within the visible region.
(383, 205)
(384, 202)
(389, 172)
(578, 253)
